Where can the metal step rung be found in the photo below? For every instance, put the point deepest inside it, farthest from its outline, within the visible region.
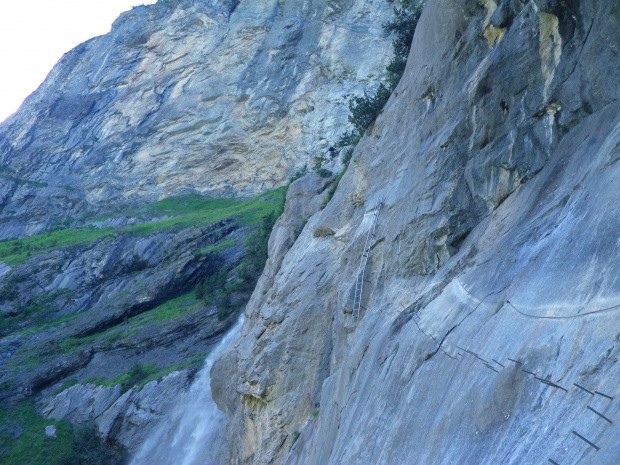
(359, 280)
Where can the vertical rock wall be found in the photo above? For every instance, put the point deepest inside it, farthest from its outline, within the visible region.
(492, 290)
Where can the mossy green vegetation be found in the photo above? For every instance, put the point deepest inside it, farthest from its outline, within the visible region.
(16, 251)
(139, 375)
(71, 344)
(9, 174)
(34, 311)
(23, 440)
(167, 214)
(194, 210)
(66, 384)
(169, 310)
(218, 246)
(40, 304)
(50, 324)
(365, 109)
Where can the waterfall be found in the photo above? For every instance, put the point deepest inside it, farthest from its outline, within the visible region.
(193, 432)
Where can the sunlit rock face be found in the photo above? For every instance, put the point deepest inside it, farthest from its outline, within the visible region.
(223, 98)
(489, 321)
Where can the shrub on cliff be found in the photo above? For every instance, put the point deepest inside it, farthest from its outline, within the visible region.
(225, 288)
(365, 109)
(403, 26)
(256, 246)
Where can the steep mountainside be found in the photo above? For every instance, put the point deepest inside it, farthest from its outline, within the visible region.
(216, 97)
(138, 186)
(489, 324)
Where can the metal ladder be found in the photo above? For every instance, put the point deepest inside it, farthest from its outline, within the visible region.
(361, 270)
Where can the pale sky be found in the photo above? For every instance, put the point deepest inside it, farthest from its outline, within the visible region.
(34, 34)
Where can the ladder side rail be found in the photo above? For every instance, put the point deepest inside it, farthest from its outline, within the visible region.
(361, 292)
(361, 271)
(358, 286)
(359, 283)
(361, 266)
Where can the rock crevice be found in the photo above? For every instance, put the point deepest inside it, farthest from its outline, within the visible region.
(485, 195)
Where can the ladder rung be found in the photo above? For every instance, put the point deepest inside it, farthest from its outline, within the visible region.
(359, 280)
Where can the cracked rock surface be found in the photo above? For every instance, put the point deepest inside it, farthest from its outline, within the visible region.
(224, 98)
(490, 320)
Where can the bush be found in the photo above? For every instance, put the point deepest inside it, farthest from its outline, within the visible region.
(211, 285)
(348, 138)
(136, 375)
(257, 246)
(334, 184)
(403, 25)
(364, 110)
(324, 173)
(323, 232)
(219, 288)
(10, 290)
(347, 156)
(317, 166)
(298, 174)
(88, 449)
(223, 313)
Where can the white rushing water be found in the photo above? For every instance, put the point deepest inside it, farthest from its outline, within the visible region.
(193, 432)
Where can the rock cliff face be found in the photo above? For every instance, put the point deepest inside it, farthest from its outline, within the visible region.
(489, 322)
(101, 175)
(221, 97)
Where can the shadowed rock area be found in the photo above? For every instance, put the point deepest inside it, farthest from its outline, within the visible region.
(489, 324)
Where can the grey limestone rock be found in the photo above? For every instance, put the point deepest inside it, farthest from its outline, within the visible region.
(221, 98)
(122, 418)
(81, 403)
(95, 290)
(131, 417)
(50, 431)
(489, 324)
